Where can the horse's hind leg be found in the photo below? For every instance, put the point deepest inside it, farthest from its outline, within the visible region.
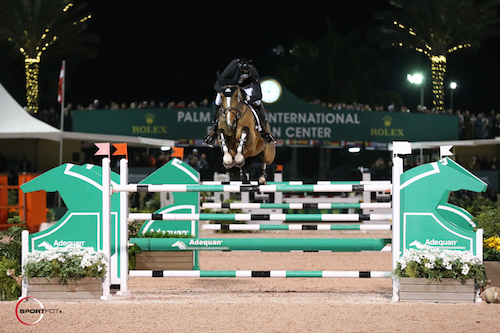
(243, 176)
(227, 159)
(239, 159)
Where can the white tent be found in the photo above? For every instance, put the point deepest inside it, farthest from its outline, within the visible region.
(16, 123)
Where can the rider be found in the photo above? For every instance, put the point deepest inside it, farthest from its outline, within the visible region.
(248, 80)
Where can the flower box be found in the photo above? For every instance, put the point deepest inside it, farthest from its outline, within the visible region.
(85, 288)
(164, 260)
(492, 269)
(444, 291)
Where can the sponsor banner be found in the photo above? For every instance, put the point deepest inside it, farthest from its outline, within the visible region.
(309, 125)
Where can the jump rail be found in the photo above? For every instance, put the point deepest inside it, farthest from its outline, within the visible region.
(372, 187)
(262, 274)
(237, 205)
(375, 227)
(261, 217)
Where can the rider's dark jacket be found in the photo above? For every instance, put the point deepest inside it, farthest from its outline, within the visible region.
(252, 81)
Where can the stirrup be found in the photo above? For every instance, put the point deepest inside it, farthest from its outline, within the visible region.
(209, 140)
(268, 137)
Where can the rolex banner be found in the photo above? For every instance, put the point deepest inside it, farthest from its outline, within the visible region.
(313, 123)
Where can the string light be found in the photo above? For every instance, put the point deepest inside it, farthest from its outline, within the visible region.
(438, 61)
(32, 58)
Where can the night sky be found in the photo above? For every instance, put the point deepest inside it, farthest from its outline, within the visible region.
(170, 50)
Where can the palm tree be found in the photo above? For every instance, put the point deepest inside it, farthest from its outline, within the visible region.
(437, 28)
(31, 27)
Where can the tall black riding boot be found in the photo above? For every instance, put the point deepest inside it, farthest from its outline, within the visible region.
(210, 137)
(268, 137)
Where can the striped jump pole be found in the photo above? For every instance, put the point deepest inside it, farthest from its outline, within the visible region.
(254, 227)
(296, 182)
(261, 274)
(240, 205)
(336, 187)
(262, 244)
(261, 217)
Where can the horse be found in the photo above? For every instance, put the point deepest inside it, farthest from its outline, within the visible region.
(238, 134)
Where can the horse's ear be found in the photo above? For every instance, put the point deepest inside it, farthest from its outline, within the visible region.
(236, 77)
(219, 77)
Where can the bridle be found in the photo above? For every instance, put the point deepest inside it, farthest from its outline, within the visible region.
(239, 111)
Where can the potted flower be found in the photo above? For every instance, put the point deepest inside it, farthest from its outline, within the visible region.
(434, 275)
(65, 272)
(489, 220)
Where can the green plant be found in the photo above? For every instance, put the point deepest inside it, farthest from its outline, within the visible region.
(474, 204)
(12, 199)
(132, 251)
(10, 248)
(51, 215)
(432, 263)
(488, 219)
(153, 204)
(9, 289)
(68, 263)
(134, 226)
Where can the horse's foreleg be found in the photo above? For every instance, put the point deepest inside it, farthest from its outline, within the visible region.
(239, 159)
(263, 174)
(227, 159)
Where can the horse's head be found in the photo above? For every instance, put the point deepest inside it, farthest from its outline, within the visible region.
(231, 100)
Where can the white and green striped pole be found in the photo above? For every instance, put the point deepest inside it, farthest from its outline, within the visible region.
(255, 227)
(334, 187)
(298, 205)
(261, 274)
(261, 217)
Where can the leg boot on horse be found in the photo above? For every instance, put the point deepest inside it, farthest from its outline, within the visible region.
(268, 137)
(212, 136)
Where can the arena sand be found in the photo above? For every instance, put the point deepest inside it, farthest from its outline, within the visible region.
(264, 304)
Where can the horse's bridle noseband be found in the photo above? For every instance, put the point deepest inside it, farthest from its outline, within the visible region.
(235, 111)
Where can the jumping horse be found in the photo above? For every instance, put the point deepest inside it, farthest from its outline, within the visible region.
(238, 134)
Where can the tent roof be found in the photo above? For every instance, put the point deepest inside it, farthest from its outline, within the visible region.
(16, 123)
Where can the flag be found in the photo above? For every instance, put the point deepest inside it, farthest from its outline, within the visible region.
(121, 150)
(103, 149)
(61, 85)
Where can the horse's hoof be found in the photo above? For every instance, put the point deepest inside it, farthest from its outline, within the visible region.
(239, 165)
(262, 180)
(239, 160)
(227, 160)
(228, 166)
